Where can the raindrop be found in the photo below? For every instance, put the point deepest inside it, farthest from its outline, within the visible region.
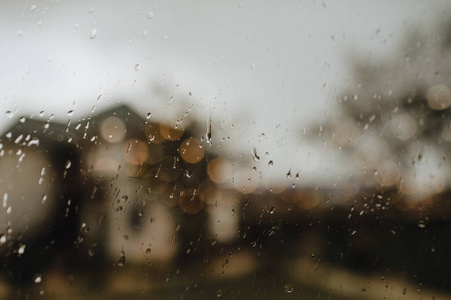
(93, 33)
(289, 288)
(5, 199)
(149, 115)
(33, 8)
(121, 261)
(148, 251)
(21, 250)
(2, 239)
(421, 224)
(44, 198)
(70, 113)
(271, 211)
(38, 279)
(289, 174)
(219, 293)
(270, 163)
(137, 67)
(254, 155)
(22, 120)
(68, 164)
(150, 15)
(18, 139)
(208, 134)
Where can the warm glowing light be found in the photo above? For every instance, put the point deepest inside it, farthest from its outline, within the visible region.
(309, 200)
(106, 164)
(170, 133)
(409, 183)
(208, 193)
(192, 151)
(152, 131)
(275, 187)
(190, 202)
(387, 173)
(439, 97)
(219, 170)
(136, 151)
(403, 127)
(113, 130)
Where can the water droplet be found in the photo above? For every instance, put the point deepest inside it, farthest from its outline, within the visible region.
(18, 139)
(93, 33)
(33, 8)
(219, 293)
(421, 224)
(121, 261)
(289, 174)
(68, 164)
(254, 154)
(137, 67)
(44, 198)
(70, 113)
(2, 239)
(150, 15)
(38, 279)
(271, 211)
(22, 120)
(148, 251)
(289, 288)
(21, 249)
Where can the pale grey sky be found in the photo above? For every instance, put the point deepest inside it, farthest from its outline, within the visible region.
(274, 65)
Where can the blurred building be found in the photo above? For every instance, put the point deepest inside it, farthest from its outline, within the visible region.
(118, 189)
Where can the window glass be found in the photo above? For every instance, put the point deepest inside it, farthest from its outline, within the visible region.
(225, 149)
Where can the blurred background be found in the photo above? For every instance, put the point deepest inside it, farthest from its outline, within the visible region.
(199, 149)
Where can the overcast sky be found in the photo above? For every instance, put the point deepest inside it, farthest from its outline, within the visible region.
(265, 66)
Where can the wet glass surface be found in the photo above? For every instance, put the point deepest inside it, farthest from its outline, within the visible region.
(239, 150)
